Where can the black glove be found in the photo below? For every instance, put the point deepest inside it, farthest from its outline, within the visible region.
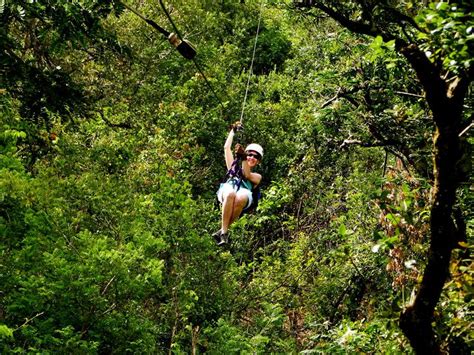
(240, 152)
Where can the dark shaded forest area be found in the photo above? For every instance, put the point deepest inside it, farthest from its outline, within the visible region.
(111, 153)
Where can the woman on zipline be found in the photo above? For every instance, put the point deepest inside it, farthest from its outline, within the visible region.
(235, 194)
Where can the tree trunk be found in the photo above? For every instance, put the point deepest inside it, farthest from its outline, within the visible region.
(446, 102)
(416, 319)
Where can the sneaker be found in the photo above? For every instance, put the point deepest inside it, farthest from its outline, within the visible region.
(217, 236)
(224, 239)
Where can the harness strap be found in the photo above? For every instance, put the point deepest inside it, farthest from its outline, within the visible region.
(235, 171)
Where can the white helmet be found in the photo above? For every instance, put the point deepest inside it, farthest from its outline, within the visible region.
(256, 148)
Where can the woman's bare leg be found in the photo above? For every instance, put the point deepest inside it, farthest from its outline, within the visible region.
(228, 210)
(240, 202)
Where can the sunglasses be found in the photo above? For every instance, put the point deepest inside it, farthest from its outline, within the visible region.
(256, 156)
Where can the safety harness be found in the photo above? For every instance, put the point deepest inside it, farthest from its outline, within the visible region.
(235, 171)
(236, 176)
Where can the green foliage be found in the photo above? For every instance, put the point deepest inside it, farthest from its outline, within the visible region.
(262, 334)
(5, 332)
(111, 152)
(380, 49)
(449, 34)
(357, 337)
(455, 309)
(273, 50)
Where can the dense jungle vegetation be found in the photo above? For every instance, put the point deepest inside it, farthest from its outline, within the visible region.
(111, 152)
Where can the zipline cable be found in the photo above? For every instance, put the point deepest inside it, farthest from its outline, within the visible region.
(170, 19)
(196, 63)
(182, 46)
(198, 67)
(187, 51)
(251, 63)
(150, 22)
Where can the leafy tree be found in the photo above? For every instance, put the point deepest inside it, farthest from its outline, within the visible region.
(445, 90)
(44, 44)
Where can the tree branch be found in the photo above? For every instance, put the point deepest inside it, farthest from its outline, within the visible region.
(409, 94)
(388, 145)
(341, 92)
(354, 26)
(358, 142)
(335, 97)
(124, 125)
(401, 18)
(107, 286)
(466, 129)
(28, 320)
(428, 74)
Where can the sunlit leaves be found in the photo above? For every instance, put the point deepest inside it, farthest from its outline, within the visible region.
(383, 51)
(5, 332)
(449, 36)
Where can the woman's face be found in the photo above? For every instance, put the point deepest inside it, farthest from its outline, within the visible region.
(253, 158)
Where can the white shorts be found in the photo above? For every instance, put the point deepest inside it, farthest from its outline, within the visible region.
(229, 186)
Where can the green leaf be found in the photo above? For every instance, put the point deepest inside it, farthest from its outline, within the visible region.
(6, 332)
(394, 219)
(21, 11)
(342, 230)
(441, 6)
